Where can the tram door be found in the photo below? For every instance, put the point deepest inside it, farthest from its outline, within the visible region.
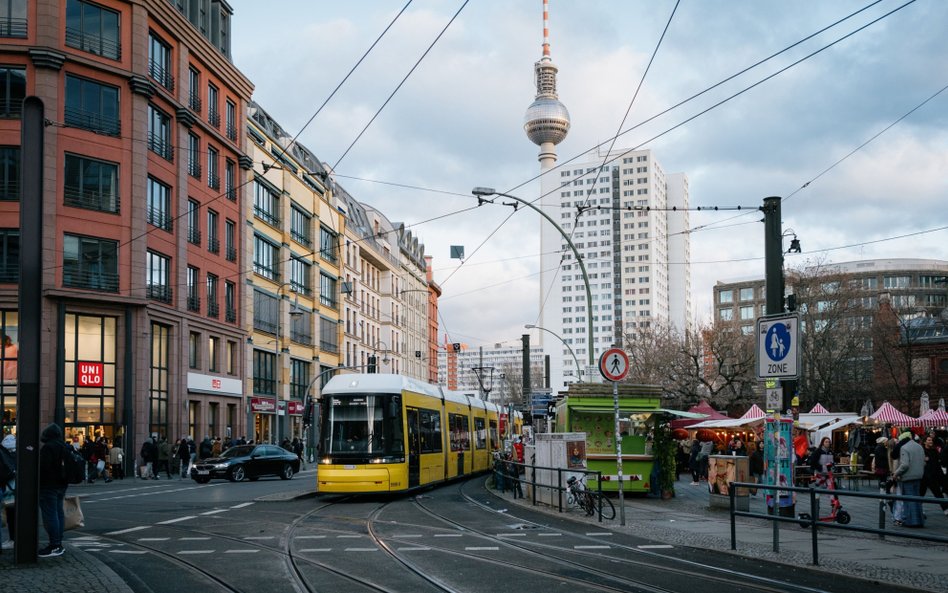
(414, 448)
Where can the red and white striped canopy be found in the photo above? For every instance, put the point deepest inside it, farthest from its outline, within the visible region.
(819, 409)
(933, 418)
(887, 414)
(754, 413)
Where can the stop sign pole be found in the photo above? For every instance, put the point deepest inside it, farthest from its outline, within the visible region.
(614, 366)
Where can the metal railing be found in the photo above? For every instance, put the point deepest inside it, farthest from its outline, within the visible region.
(94, 44)
(91, 199)
(813, 520)
(559, 480)
(92, 121)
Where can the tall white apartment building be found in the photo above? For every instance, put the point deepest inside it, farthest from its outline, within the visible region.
(503, 358)
(627, 219)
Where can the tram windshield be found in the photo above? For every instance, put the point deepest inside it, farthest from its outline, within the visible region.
(362, 426)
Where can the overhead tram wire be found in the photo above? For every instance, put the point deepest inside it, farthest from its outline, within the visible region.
(423, 55)
(282, 150)
(864, 144)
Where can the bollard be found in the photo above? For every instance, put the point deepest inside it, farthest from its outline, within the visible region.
(814, 520)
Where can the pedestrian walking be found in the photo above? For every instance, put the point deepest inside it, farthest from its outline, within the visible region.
(513, 476)
(756, 464)
(693, 462)
(909, 475)
(149, 456)
(184, 456)
(8, 486)
(206, 448)
(932, 477)
(116, 461)
(52, 488)
(164, 457)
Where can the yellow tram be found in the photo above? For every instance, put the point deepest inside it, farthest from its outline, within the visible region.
(389, 433)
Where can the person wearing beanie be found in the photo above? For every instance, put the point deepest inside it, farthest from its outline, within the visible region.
(52, 488)
(909, 474)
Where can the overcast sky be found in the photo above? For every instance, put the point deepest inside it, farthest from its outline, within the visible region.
(457, 123)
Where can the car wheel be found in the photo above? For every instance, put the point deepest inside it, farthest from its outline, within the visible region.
(202, 480)
(237, 474)
(287, 472)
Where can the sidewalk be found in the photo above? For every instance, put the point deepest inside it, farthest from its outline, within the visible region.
(688, 520)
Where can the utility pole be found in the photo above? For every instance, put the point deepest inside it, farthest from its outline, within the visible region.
(773, 276)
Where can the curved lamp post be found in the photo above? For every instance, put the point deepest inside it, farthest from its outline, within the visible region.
(481, 192)
(579, 370)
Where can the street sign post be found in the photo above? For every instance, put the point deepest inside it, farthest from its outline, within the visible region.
(778, 346)
(614, 366)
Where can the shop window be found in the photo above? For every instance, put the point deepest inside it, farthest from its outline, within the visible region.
(9, 356)
(89, 370)
(159, 378)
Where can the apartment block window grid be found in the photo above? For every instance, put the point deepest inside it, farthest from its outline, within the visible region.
(300, 225)
(193, 298)
(87, 183)
(159, 61)
(92, 106)
(194, 156)
(194, 90)
(230, 302)
(213, 305)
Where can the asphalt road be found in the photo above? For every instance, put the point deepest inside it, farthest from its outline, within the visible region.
(173, 535)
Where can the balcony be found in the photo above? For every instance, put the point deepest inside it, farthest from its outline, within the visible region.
(301, 288)
(330, 347)
(194, 303)
(231, 132)
(213, 245)
(12, 27)
(194, 102)
(159, 218)
(88, 199)
(9, 272)
(267, 272)
(304, 338)
(213, 310)
(194, 236)
(10, 191)
(159, 292)
(161, 75)
(91, 280)
(231, 194)
(266, 216)
(161, 146)
(94, 44)
(194, 168)
(301, 238)
(92, 121)
(213, 180)
(214, 117)
(230, 315)
(231, 254)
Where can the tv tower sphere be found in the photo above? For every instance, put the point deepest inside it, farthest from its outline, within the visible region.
(546, 120)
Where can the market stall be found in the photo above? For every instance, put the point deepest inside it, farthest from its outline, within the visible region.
(747, 427)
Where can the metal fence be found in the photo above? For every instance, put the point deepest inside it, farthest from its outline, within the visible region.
(529, 469)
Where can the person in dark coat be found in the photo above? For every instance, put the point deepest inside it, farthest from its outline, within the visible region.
(932, 478)
(184, 455)
(693, 464)
(880, 464)
(756, 464)
(52, 488)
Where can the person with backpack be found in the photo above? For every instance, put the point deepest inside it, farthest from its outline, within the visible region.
(53, 481)
(149, 455)
(8, 485)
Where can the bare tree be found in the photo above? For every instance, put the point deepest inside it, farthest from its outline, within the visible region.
(899, 373)
(508, 377)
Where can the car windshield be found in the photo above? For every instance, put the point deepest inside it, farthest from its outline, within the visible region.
(238, 451)
(363, 424)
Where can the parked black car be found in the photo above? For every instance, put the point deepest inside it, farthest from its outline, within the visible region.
(247, 462)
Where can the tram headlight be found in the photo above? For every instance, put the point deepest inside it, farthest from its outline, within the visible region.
(325, 461)
(389, 459)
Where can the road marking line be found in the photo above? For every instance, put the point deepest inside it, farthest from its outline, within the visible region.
(416, 549)
(349, 536)
(480, 548)
(655, 547)
(153, 539)
(178, 520)
(136, 552)
(591, 547)
(447, 535)
(315, 550)
(407, 535)
(511, 535)
(310, 537)
(259, 537)
(362, 549)
(550, 534)
(182, 552)
(215, 512)
(241, 551)
(600, 534)
(129, 530)
(241, 505)
(194, 539)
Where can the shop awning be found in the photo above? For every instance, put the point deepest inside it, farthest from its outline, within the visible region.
(887, 414)
(934, 418)
(703, 408)
(754, 414)
(818, 409)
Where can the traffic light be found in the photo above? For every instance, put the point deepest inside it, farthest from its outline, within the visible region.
(373, 362)
(456, 347)
(791, 302)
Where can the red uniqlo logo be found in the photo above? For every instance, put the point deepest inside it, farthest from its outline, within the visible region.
(90, 374)
(215, 383)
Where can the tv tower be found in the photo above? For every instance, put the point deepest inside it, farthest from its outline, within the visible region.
(547, 120)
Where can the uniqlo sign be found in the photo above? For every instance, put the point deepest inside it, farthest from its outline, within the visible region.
(90, 374)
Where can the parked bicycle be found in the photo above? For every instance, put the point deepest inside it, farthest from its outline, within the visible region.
(589, 500)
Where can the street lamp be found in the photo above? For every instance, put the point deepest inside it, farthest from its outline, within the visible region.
(277, 351)
(579, 371)
(374, 358)
(489, 191)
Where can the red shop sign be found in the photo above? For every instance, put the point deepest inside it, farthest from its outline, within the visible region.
(90, 374)
(294, 408)
(262, 405)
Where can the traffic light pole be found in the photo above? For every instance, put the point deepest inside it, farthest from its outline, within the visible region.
(773, 279)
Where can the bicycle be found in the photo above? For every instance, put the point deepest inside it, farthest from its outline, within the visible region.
(588, 500)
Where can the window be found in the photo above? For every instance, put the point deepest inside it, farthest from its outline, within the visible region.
(159, 133)
(230, 302)
(92, 106)
(159, 61)
(232, 358)
(194, 90)
(747, 312)
(265, 312)
(158, 279)
(725, 314)
(231, 115)
(213, 107)
(213, 306)
(300, 225)
(266, 203)
(301, 327)
(299, 378)
(12, 91)
(230, 240)
(328, 244)
(194, 156)
(931, 281)
(747, 294)
(213, 239)
(726, 296)
(213, 168)
(327, 290)
(264, 372)
(90, 338)
(896, 281)
(194, 222)
(10, 173)
(13, 18)
(229, 176)
(91, 184)
(194, 299)
(300, 276)
(158, 382)
(328, 335)
(93, 29)
(9, 255)
(90, 263)
(459, 433)
(158, 212)
(430, 429)
(194, 350)
(266, 258)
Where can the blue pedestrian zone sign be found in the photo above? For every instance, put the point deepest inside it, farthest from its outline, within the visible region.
(778, 346)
